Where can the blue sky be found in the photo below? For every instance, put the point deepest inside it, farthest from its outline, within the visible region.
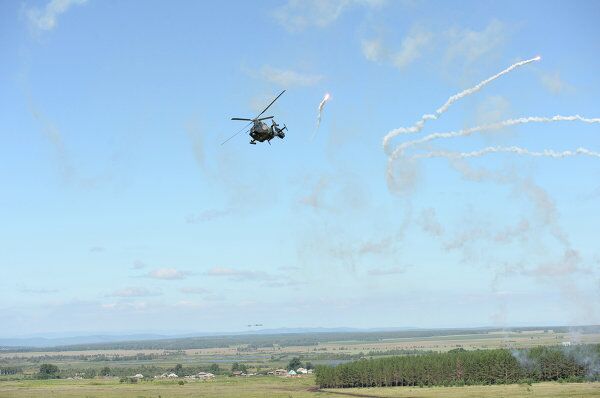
(121, 211)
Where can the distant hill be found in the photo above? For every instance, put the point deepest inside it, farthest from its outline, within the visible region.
(255, 338)
(40, 342)
(61, 341)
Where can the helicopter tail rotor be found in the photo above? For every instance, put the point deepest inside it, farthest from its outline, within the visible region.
(280, 132)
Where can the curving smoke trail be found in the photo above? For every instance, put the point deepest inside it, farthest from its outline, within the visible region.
(418, 126)
(548, 153)
(487, 127)
(399, 150)
(325, 99)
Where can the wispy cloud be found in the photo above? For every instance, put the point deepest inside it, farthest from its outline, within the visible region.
(207, 215)
(239, 274)
(297, 15)
(570, 263)
(134, 292)
(374, 50)
(138, 264)
(554, 83)
(54, 136)
(413, 45)
(469, 45)
(46, 18)
(97, 249)
(386, 271)
(65, 164)
(168, 273)
(125, 306)
(288, 77)
(193, 290)
(196, 137)
(429, 223)
(40, 290)
(316, 197)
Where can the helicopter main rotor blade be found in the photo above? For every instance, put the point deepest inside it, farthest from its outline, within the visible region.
(241, 118)
(244, 128)
(272, 102)
(265, 118)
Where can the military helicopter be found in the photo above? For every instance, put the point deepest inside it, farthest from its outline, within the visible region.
(260, 131)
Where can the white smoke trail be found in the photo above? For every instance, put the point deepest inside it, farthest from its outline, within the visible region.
(418, 126)
(399, 150)
(326, 98)
(486, 127)
(549, 153)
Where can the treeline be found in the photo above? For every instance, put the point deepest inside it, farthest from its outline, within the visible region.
(100, 357)
(10, 370)
(460, 367)
(255, 341)
(51, 371)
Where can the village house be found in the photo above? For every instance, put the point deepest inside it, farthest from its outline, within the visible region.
(280, 372)
(167, 376)
(205, 376)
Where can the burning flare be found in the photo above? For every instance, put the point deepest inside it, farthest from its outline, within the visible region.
(326, 98)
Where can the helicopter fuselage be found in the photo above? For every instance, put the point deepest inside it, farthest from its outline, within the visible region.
(261, 132)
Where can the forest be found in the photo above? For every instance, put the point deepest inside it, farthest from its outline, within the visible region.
(270, 339)
(461, 367)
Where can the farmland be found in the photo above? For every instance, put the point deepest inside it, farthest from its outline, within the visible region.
(260, 354)
(276, 387)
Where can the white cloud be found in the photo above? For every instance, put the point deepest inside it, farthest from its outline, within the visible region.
(554, 83)
(138, 264)
(46, 18)
(190, 304)
(134, 292)
(168, 273)
(207, 215)
(470, 45)
(238, 274)
(127, 306)
(287, 77)
(386, 271)
(429, 222)
(41, 290)
(412, 47)
(297, 15)
(373, 50)
(193, 290)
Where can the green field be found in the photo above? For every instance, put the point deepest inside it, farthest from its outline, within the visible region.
(265, 386)
(261, 354)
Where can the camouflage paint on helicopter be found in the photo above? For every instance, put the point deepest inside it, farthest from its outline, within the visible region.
(260, 131)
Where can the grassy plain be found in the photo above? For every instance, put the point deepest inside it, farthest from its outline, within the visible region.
(262, 358)
(268, 386)
(277, 356)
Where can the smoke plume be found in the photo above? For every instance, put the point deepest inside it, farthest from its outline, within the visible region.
(325, 99)
(418, 126)
(399, 150)
(549, 153)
